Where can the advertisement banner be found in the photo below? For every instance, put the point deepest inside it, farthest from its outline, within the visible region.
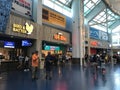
(94, 33)
(104, 36)
(23, 7)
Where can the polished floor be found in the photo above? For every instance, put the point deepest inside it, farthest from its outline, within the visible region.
(68, 77)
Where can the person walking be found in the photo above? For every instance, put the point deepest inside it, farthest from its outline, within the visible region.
(35, 64)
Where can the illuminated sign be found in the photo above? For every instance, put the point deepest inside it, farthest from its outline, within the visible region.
(53, 18)
(26, 29)
(60, 37)
(94, 43)
(47, 47)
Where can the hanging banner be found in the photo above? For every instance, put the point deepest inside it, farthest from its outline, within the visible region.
(23, 7)
(104, 36)
(94, 33)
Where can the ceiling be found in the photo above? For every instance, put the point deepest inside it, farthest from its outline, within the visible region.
(114, 5)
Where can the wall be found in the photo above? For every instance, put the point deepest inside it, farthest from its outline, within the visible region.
(48, 33)
(68, 26)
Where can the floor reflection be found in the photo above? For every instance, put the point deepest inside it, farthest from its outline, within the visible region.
(67, 77)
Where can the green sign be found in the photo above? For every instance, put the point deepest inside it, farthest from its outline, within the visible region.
(47, 47)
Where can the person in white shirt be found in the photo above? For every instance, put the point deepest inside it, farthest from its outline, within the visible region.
(26, 63)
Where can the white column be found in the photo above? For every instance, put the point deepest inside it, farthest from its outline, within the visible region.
(78, 30)
(87, 34)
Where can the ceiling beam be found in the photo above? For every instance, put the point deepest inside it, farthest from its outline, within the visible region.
(114, 25)
(96, 10)
(96, 23)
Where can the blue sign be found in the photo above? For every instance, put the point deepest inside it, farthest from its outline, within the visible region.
(104, 36)
(94, 33)
(26, 43)
(8, 44)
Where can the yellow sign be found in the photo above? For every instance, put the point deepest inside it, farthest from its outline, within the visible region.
(27, 29)
(59, 37)
(53, 18)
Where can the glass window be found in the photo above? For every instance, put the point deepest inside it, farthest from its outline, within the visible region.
(62, 6)
(89, 5)
(58, 8)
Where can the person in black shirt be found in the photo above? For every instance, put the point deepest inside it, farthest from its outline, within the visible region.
(48, 65)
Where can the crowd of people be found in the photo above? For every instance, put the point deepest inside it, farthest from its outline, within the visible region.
(32, 63)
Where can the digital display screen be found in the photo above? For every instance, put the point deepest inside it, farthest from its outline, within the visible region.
(47, 47)
(8, 44)
(26, 43)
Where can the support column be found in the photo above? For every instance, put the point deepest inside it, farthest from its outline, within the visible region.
(87, 35)
(37, 11)
(78, 37)
(37, 17)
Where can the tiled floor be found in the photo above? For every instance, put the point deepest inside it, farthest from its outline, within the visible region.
(64, 78)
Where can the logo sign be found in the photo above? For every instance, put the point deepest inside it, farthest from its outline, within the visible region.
(60, 37)
(23, 7)
(26, 29)
(47, 47)
(94, 33)
(94, 43)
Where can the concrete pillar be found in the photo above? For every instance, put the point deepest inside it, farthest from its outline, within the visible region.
(78, 33)
(37, 17)
(87, 35)
(37, 11)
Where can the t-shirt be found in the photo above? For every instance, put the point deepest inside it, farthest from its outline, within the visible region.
(35, 60)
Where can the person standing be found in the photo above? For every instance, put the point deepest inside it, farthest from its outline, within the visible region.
(48, 65)
(21, 61)
(26, 63)
(35, 64)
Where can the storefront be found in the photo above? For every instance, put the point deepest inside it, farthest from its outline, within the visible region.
(97, 46)
(20, 37)
(55, 41)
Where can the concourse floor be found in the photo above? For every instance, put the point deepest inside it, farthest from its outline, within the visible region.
(68, 77)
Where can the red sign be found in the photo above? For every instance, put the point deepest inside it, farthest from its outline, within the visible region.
(59, 37)
(94, 43)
